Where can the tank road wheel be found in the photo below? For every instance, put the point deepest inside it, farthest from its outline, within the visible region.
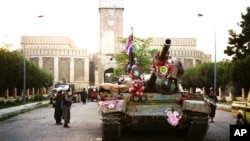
(111, 127)
(198, 126)
(136, 98)
(143, 98)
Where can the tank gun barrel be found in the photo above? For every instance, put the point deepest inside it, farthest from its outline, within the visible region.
(164, 50)
(161, 58)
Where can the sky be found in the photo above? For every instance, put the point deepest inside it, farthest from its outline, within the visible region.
(79, 19)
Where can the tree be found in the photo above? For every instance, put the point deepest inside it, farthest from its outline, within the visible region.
(5, 45)
(239, 44)
(204, 76)
(11, 71)
(187, 78)
(198, 76)
(224, 77)
(142, 55)
(240, 74)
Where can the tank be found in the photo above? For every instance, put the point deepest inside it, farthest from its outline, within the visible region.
(157, 103)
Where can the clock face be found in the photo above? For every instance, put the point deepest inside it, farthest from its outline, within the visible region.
(111, 22)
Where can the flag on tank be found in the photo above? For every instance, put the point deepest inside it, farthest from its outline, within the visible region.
(130, 46)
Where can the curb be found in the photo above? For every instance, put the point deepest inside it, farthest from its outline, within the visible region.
(13, 111)
(226, 108)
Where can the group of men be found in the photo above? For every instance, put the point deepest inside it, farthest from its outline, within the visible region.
(63, 101)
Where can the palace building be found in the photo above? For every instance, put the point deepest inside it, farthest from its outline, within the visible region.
(59, 56)
(111, 27)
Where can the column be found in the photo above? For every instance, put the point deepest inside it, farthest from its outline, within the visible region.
(243, 93)
(40, 61)
(71, 69)
(194, 61)
(15, 92)
(56, 69)
(86, 70)
(7, 93)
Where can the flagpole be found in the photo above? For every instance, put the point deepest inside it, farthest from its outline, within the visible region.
(131, 54)
(114, 34)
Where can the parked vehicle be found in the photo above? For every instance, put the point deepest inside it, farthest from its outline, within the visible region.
(74, 92)
(92, 94)
(52, 95)
(241, 111)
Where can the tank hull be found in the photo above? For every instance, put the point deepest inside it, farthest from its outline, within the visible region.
(155, 111)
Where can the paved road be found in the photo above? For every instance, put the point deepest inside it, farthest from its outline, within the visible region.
(39, 125)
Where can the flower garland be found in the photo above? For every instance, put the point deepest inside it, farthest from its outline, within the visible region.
(110, 105)
(161, 68)
(137, 80)
(173, 116)
(136, 87)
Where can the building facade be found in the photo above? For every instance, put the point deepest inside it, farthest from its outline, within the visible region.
(111, 27)
(58, 56)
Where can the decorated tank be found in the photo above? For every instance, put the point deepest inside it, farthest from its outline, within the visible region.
(156, 103)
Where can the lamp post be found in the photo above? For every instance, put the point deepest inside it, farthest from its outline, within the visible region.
(24, 71)
(215, 78)
(24, 66)
(215, 68)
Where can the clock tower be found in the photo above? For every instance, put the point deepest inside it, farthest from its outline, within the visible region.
(111, 26)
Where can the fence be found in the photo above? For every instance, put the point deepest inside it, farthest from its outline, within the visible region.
(31, 93)
(14, 95)
(229, 97)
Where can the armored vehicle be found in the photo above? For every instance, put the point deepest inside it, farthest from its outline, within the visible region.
(157, 103)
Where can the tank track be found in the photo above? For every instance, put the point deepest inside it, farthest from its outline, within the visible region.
(198, 126)
(111, 127)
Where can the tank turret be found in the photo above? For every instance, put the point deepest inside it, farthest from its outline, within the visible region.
(159, 66)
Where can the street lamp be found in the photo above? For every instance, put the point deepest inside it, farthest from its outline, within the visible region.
(24, 71)
(215, 78)
(24, 66)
